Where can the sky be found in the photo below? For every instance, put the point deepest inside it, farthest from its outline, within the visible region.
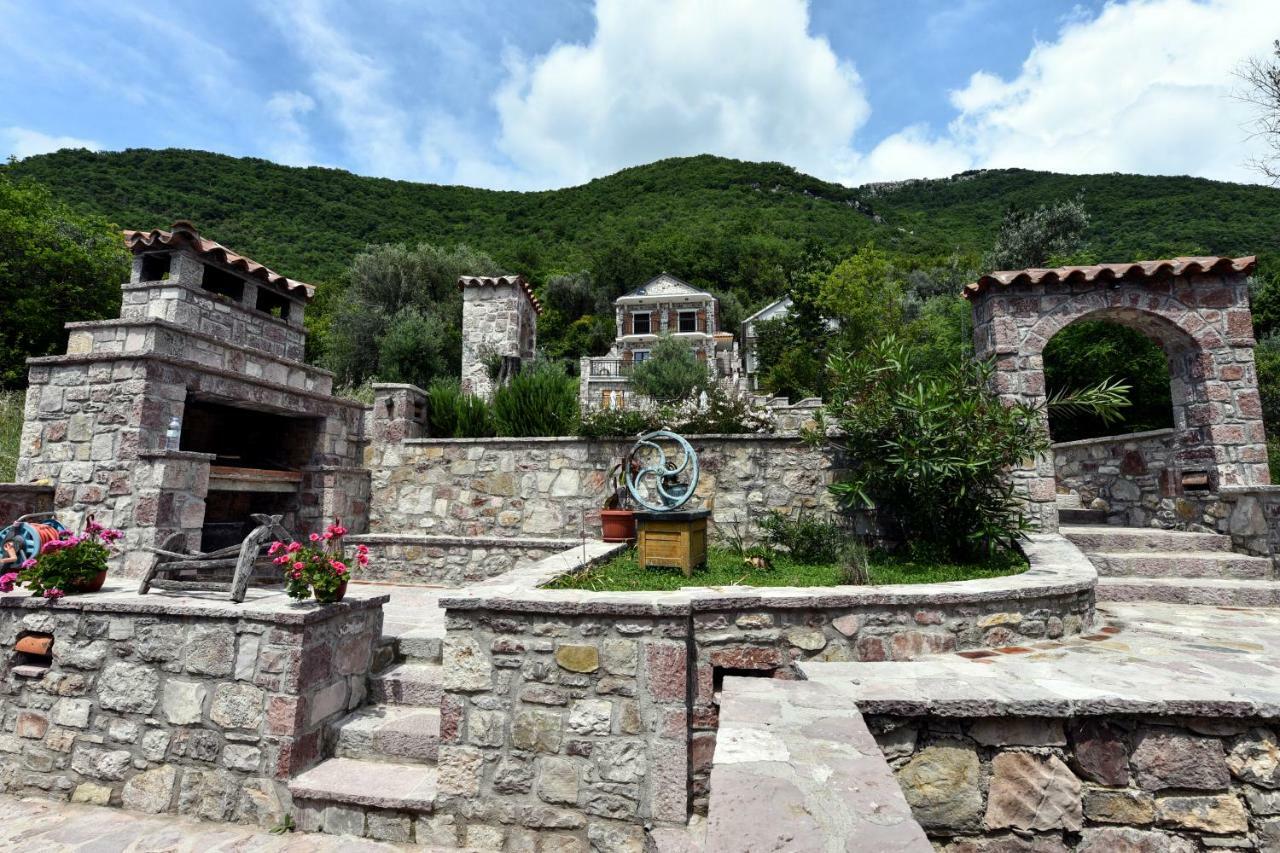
(538, 94)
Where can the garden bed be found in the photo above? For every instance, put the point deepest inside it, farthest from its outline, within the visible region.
(727, 568)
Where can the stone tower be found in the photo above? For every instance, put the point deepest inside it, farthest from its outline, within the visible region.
(499, 322)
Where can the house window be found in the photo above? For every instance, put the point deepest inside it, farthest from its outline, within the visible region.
(640, 355)
(640, 323)
(688, 321)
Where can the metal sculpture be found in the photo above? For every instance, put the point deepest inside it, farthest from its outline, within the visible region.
(647, 474)
(24, 539)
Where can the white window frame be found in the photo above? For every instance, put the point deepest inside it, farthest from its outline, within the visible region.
(648, 315)
(639, 355)
(680, 319)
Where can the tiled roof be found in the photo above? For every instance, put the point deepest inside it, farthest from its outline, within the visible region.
(1137, 271)
(184, 235)
(499, 281)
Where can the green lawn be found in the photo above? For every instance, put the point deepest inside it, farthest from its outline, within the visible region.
(10, 432)
(725, 568)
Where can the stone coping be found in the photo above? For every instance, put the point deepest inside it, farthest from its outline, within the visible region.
(1232, 491)
(210, 297)
(182, 455)
(260, 605)
(615, 439)
(444, 540)
(121, 322)
(1057, 568)
(1115, 439)
(195, 366)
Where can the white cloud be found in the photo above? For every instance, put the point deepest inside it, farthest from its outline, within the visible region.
(743, 79)
(1144, 86)
(22, 142)
(287, 140)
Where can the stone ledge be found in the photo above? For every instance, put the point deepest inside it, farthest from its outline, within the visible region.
(259, 605)
(201, 293)
(574, 439)
(180, 455)
(446, 540)
(25, 488)
(1057, 568)
(1116, 439)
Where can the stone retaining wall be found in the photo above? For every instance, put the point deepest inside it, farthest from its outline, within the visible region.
(1129, 476)
(556, 486)
(523, 666)
(166, 704)
(449, 560)
(1092, 784)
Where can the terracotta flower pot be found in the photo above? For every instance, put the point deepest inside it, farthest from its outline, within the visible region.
(617, 525)
(93, 584)
(337, 595)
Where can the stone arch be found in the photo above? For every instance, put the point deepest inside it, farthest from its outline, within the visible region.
(1196, 309)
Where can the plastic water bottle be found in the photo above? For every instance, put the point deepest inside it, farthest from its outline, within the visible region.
(173, 435)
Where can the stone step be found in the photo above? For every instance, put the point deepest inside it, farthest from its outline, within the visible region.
(1229, 593)
(1069, 501)
(1082, 516)
(392, 733)
(420, 645)
(407, 684)
(371, 784)
(1181, 564)
(1106, 537)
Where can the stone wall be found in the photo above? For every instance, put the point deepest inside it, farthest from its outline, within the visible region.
(1134, 477)
(19, 499)
(450, 561)
(556, 486)
(190, 706)
(499, 319)
(1092, 784)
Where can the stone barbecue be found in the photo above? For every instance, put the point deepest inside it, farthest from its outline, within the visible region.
(206, 354)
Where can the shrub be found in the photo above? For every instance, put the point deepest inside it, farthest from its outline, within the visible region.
(721, 412)
(443, 398)
(932, 449)
(612, 423)
(806, 537)
(11, 406)
(542, 400)
(474, 419)
(671, 372)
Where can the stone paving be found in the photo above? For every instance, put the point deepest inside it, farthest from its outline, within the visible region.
(1142, 658)
(40, 826)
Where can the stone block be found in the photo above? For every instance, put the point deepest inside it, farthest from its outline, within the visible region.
(1168, 759)
(465, 666)
(92, 794)
(151, 791)
(577, 657)
(665, 667)
(941, 784)
(459, 769)
(1033, 792)
(183, 702)
(1129, 840)
(237, 706)
(1255, 757)
(1220, 814)
(1101, 754)
(557, 780)
(100, 763)
(73, 713)
(1018, 731)
(128, 687)
(590, 717)
(538, 731)
(1128, 807)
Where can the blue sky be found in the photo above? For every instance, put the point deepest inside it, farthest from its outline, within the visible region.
(528, 95)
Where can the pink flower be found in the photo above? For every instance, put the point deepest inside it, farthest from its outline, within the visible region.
(275, 548)
(281, 560)
(53, 594)
(338, 566)
(294, 547)
(299, 566)
(295, 574)
(7, 581)
(362, 559)
(336, 531)
(315, 537)
(328, 534)
(28, 563)
(111, 535)
(92, 527)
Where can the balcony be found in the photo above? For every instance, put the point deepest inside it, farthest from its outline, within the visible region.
(609, 368)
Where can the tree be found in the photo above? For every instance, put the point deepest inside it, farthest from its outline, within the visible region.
(1262, 80)
(671, 372)
(55, 266)
(400, 314)
(1033, 238)
(862, 295)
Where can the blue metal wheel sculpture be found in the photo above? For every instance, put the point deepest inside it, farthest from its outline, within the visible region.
(648, 472)
(22, 541)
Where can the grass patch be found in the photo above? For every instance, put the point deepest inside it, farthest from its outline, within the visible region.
(725, 568)
(11, 403)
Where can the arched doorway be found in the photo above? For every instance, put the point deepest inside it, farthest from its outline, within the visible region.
(1196, 309)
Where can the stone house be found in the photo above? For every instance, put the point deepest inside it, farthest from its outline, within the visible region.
(750, 337)
(661, 306)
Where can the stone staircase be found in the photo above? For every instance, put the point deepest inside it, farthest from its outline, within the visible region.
(381, 781)
(1174, 566)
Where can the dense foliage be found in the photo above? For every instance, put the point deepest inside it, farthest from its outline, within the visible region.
(540, 400)
(55, 265)
(720, 413)
(807, 537)
(932, 447)
(670, 373)
(68, 563)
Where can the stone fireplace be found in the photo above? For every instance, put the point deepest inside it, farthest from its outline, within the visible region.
(215, 341)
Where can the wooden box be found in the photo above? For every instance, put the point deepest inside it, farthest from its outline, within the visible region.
(676, 539)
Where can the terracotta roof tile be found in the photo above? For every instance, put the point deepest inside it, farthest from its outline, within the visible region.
(498, 281)
(1136, 271)
(184, 235)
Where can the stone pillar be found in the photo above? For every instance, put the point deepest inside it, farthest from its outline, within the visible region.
(499, 319)
(169, 491)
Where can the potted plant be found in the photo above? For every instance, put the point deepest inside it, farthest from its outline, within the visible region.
(617, 519)
(70, 564)
(318, 568)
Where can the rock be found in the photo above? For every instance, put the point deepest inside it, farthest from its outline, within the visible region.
(158, 643)
(81, 655)
(848, 624)
(1018, 731)
(458, 769)
(590, 717)
(183, 702)
(620, 657)
(1220, 814)
(1262, 802)
(513, 777)
(128, 687)
(465, 666)
(237, 706)
(807, 639)
(1009, 844)
(94, 795)
(211, 652)
(1132, 808)
(1127, 840)
(1100, 752)
(941, 785)
(1268, 834)
(898, 743)
(155, 743)
(100, 763)
(1255, 757)
(1167, 759)
(260, 804)
(73, 713)
(485, 728)
(151, 791)
(241, 756)
(539, 731)
(558, 780)
(1033, 792)
(578, 658)
(615, 838)
(210, 794)
(619, 761)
